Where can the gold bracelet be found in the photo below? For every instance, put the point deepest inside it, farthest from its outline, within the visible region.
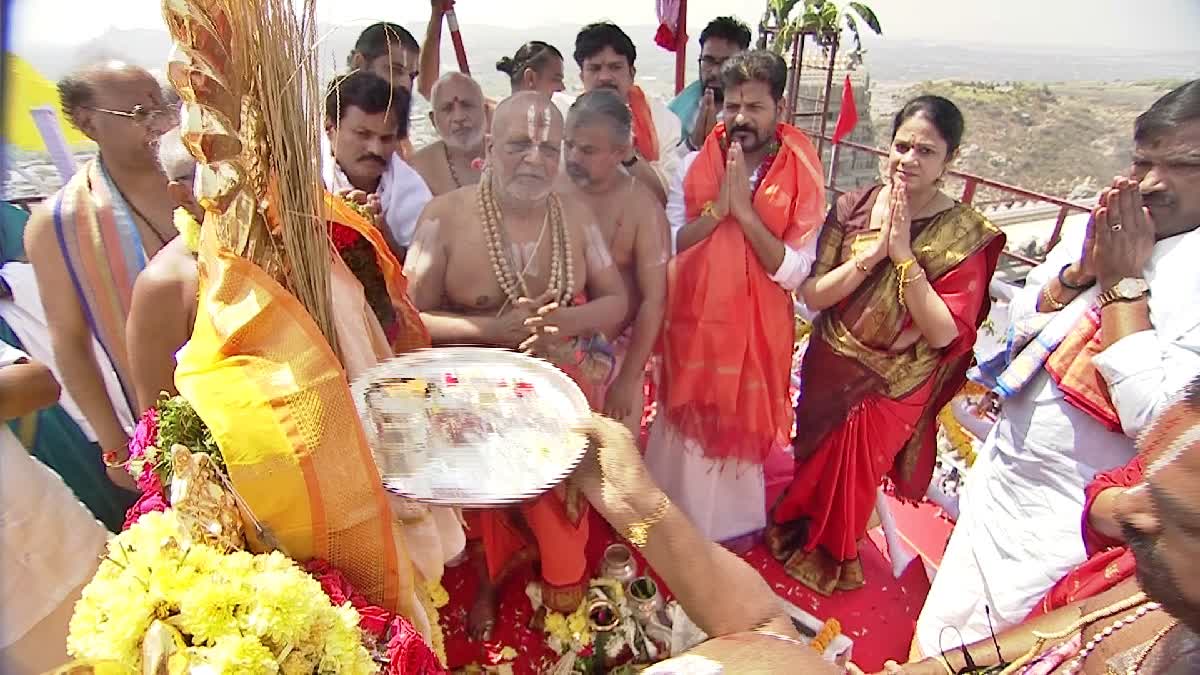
(1051, 301)
(639, 532)
(903, 278)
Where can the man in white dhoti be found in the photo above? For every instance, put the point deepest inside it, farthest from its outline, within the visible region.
(1075, 396)
(365, 121)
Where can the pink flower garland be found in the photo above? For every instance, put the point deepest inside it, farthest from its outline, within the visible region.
(154, 496)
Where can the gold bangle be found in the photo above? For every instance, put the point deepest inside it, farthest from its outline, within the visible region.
(639, 532)
(903, 279)
(1052, 302)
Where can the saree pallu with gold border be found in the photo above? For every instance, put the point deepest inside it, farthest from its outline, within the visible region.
(264, 380)
(868, 408)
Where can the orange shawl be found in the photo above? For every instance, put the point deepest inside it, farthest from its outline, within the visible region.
(728, 334)
(1076, 375)
(645, 135)
(413, 334)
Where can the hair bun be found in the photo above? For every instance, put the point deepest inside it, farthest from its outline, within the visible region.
(506, 65)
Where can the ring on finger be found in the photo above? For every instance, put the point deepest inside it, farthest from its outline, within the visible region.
(1117, 227)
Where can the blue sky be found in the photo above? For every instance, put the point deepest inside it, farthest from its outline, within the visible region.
(1116, 24)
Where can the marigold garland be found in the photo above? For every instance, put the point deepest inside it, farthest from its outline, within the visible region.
(188, 227)
(960, 439)
(235, 612)
(824, 637)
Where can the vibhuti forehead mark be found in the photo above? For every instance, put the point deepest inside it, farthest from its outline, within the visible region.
(539, 126)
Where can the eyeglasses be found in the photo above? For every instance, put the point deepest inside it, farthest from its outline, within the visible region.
(141, 114)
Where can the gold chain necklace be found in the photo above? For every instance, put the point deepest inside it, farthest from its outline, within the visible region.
(513, 284)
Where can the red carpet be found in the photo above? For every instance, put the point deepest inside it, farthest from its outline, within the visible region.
(879, 618)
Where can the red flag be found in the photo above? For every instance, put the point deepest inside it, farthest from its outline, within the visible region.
(848, 117)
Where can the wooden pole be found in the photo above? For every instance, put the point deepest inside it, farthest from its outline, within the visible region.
(460, 50)
(833, 48)
(681, 40)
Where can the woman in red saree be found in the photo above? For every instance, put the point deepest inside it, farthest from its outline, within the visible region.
(901, 281)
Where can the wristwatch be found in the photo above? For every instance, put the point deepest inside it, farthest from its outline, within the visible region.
(1129, 288)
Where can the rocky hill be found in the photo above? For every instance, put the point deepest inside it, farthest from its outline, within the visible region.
(1065, 139)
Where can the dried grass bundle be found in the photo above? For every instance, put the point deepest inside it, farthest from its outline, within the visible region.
(275, 43)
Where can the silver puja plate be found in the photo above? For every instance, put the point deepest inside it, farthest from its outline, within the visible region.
(471, 426)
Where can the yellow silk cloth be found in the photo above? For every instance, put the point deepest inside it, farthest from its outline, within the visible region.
(262, 377)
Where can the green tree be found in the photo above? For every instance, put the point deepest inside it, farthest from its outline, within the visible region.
(823, 19)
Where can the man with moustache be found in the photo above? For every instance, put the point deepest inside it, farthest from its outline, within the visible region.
(698, 106)
(365, 119)
(508, 263)
(745, 214)
(599, 129)
(1103, 333)
(94, 237)
(606, 58)
(458, 114)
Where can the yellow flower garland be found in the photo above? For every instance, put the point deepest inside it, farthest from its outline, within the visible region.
(958, 437)
(241, 612)
(189, 228)
(433, 596)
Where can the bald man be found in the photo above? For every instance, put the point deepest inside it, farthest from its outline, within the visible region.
(95, 236)
(458, 113)
(454, 284)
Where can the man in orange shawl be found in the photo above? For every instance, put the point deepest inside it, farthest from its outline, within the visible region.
(744, 212)
(606, 57)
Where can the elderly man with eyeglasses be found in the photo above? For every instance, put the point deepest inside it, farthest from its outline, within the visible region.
(89, 242)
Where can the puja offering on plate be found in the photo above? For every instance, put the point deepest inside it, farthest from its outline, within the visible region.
(471, 426)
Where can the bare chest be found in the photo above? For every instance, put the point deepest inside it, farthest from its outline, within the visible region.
(472, 275)
(616, 221)
(443, 175)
